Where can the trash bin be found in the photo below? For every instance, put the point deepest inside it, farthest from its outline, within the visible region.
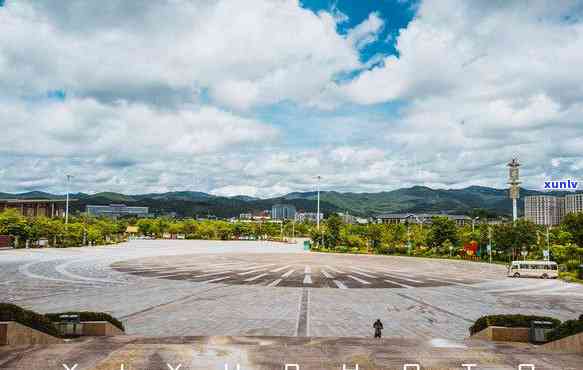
(306, 245)
(70, 325)
(580, 272)
(539, 330)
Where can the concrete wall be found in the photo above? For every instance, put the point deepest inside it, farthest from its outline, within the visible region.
(99, 329)
(574, 343)
(502, 334)
(13, 333)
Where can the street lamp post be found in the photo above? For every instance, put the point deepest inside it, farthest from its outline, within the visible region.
(67, 201)
(490, 243)
(408, 240)
(318, 207)
(548, 256)
(473, 222)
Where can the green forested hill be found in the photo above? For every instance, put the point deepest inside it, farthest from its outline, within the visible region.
(414, 199)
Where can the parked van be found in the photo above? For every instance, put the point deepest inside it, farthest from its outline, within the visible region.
(539, 269)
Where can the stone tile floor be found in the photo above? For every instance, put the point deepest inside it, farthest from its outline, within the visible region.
(416, 298)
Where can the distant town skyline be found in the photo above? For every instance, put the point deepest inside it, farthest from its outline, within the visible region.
(259, 97)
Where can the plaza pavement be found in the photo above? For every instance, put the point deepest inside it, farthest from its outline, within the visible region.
(272, 353)
(204, 288)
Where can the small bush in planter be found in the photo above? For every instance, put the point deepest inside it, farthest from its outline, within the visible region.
(509, 321)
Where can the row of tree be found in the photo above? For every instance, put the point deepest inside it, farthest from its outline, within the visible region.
(443, 237)
(85, 230)
(54, 232)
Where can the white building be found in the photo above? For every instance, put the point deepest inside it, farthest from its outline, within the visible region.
(283, 212)
(573, 203)
(309, 216)
(544, 209)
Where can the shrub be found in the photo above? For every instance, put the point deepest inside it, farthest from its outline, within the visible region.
(509, 321)
(88, 316)
(10, 312)
(566, 329)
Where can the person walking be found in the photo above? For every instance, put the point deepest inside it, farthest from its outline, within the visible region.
(378, 326)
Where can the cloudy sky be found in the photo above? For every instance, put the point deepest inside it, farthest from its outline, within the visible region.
(258, 97)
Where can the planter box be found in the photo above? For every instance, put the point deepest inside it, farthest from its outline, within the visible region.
(13, 333)
(99, 329)
(574, 343)
(503, 334)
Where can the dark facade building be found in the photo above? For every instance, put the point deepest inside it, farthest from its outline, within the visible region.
(421, 218)
(117, 210)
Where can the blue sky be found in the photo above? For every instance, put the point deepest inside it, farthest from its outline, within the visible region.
(259, 97)
(396, 14)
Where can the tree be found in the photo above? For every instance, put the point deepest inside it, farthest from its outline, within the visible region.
(573, 223)
(374, 233)
(442, 229)
(513, 237)
(332, 232)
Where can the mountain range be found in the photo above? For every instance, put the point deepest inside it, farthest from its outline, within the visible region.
(416, 199)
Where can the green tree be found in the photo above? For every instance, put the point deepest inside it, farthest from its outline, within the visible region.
(332, 231)
(573, 224)
(513, 237)
(442, 229)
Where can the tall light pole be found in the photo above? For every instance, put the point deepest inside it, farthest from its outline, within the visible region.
(318, 207)
(514, 182)
(548, 256)
(473, 222)
(490, 243)
(67, 202)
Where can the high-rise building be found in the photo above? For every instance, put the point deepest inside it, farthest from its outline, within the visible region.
(283, 212)
(544, 209)
(573, 203)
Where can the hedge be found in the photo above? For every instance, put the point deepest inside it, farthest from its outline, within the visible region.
(10, 312)
(509, 321)
(566, 329)
(45, 323)
(88, 316)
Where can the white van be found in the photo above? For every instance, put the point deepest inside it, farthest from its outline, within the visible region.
(539, 269)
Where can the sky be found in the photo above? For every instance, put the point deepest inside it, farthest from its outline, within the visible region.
(259, 97)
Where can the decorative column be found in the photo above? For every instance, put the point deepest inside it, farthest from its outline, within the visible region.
(514, 182)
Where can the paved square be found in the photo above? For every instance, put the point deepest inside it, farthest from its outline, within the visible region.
(170, 288)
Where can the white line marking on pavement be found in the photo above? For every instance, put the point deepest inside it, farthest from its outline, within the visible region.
(169, 275)
(215, 280)
(326, 274)
(307, 270)
(340, 285)
(335, 270)
(363, 274)
(361, 269)
(359, 280)
(281, 268)
(308, 279)
(256, 277)
(287, 273)
(403, 278)
(451, 282)
(399, 284)
(250, 272)
(213, 274)
(274, 283)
